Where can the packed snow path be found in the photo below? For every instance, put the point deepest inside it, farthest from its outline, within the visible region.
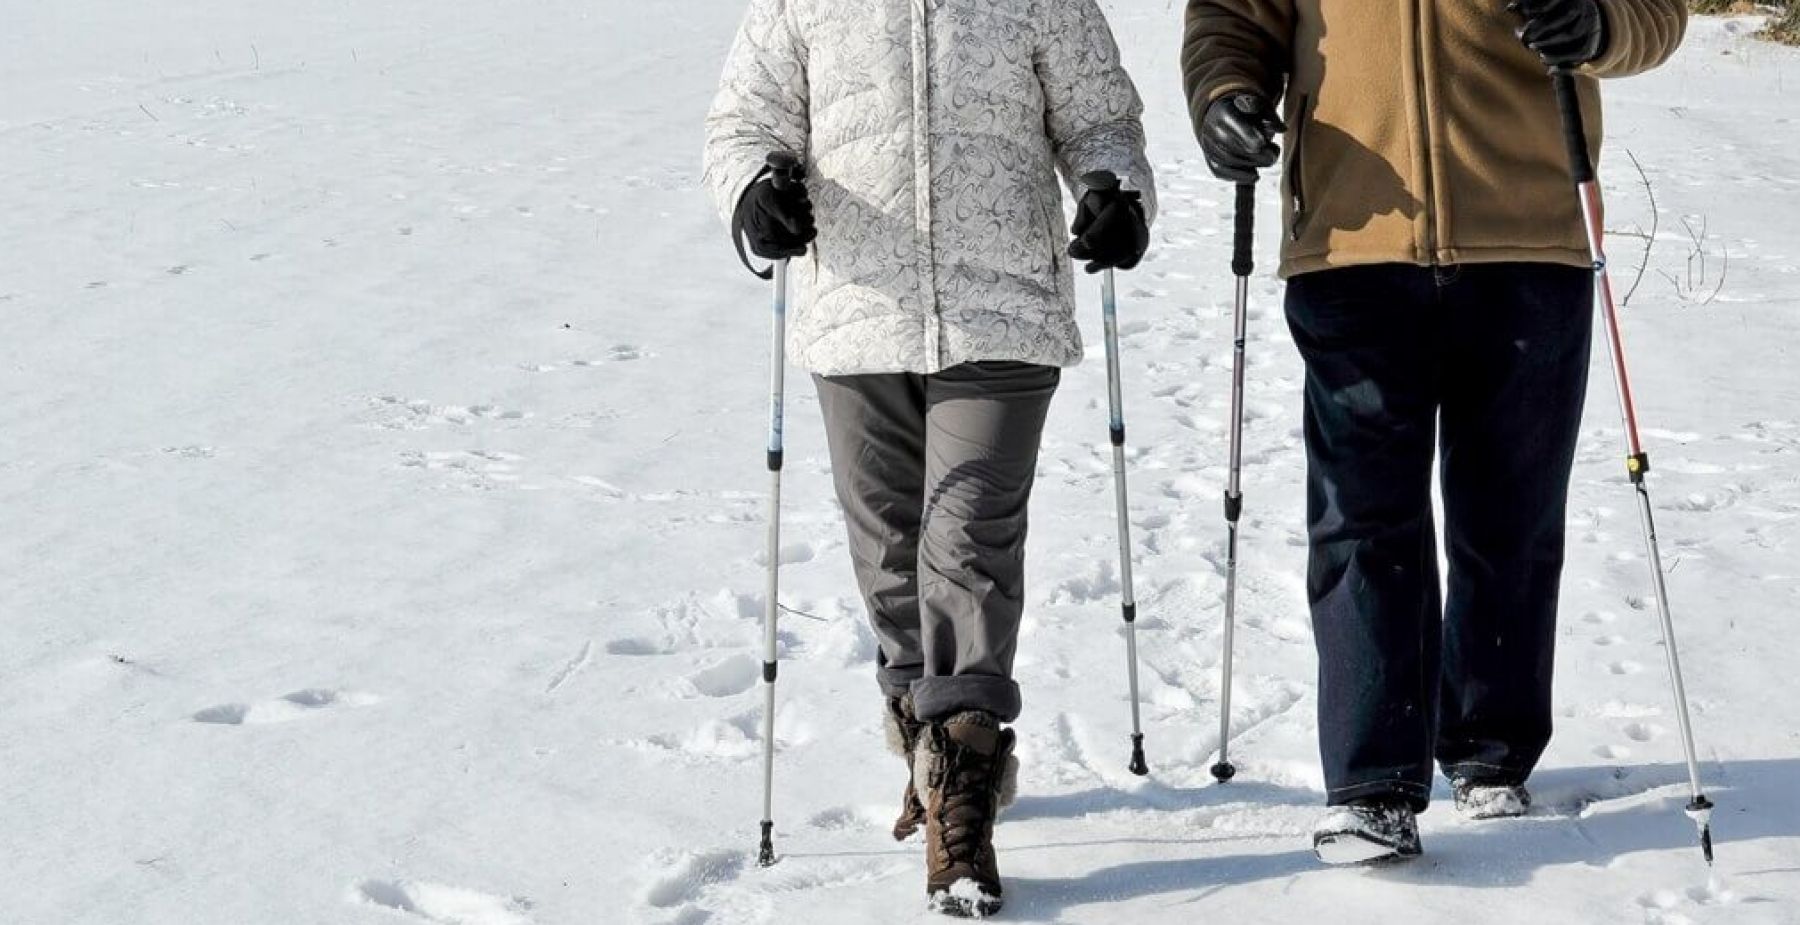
(382, 410)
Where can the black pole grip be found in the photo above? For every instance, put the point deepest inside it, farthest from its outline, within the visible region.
(785, 169)
(1243, 245)
(1101, 181)
(1574, 130)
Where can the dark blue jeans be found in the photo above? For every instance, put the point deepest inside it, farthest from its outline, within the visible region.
(1487, 366)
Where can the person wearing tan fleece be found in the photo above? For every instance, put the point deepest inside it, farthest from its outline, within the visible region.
(1440, 291)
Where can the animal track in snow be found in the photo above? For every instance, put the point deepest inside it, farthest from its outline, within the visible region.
(618, 353)
(446, 905)
(1625, 666)
(480, 469)
(297, 705)
(397, 413)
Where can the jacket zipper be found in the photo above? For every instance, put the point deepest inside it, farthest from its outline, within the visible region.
(1424, 91)
(1296, 170)
(921, 10)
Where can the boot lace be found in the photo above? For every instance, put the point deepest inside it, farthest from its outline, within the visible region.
(970, 793)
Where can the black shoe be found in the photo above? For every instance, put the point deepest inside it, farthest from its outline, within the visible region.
(1491, 799)
(1367, 832)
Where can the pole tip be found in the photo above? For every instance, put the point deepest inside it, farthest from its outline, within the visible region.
(1138, 765)
(765, 856)
(1700, 810)
(1223, 772)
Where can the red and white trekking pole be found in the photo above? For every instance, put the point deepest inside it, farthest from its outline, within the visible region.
(1637, 462)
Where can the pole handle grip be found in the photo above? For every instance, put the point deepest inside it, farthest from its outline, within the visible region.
(1568, 102)
(1244, 231)
(786, 170)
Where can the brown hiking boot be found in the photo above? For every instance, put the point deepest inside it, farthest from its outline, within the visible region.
(968, 770)
(903, 733)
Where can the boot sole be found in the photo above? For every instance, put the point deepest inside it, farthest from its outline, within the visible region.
(1484, 815)
(1344, 849)
(957, 907)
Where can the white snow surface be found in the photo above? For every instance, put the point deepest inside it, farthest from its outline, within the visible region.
(383, 508)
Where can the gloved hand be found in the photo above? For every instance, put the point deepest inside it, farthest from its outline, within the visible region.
(777, 223)
(1110, 230)
(1237, 135)
(1565, 33)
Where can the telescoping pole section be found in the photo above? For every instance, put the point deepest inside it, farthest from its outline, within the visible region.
(785, 170)
(1637, 462)
(1242, 265)
(1128, 599)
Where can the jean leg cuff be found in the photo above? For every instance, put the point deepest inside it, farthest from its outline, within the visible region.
(1417, 795)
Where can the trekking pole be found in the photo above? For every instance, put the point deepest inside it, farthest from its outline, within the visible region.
(1637, 462)
(785, 170)
(1242, 263)
(1109, 307)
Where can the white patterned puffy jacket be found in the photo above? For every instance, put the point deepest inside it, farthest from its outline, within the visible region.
(932, 131)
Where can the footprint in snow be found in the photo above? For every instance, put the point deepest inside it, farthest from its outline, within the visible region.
(791, 554)
(679, 877)
(639, 646)
(297, 705)
(728, 678)
(447, 905)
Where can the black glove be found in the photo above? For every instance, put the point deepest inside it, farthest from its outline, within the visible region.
(1565, 33)
(777, 223)
(1237, 135)
(1110, 230)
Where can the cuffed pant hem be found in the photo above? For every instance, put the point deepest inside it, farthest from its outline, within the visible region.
(895, 682)
(938, 698)
(1484, 773)
(1417, 795)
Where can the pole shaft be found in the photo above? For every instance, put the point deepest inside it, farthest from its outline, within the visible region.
(1116, 407)
(1588, 190)
(1242, 265)
(1615, 343)
(772, 590)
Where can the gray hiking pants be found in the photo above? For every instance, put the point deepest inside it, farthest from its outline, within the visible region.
(934, 473)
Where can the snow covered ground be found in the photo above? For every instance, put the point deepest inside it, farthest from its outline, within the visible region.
(381, 509)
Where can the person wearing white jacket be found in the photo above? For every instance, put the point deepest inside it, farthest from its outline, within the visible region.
(935, 309)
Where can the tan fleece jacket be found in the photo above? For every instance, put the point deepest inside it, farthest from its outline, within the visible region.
(1419, 131)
